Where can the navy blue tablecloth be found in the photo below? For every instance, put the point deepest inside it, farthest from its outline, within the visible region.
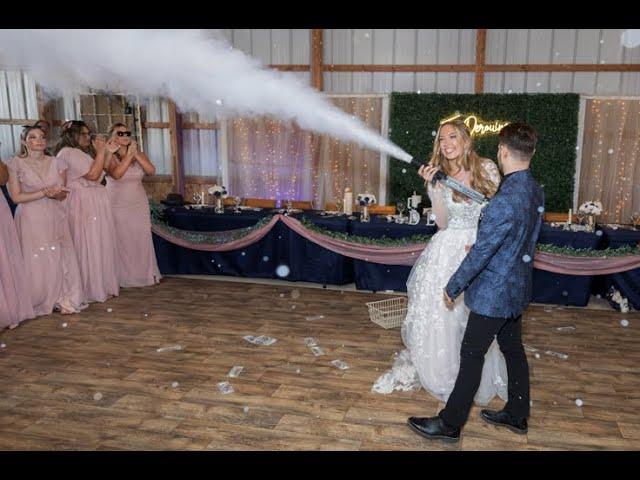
(305, 261)
(377, 277)
(628, 283)
(558, 289)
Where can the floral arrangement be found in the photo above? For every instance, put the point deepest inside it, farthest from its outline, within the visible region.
(218, 191)
(366, 199)
(591, 208)
(617, 301)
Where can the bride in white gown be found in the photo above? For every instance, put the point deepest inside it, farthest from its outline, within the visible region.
(431, 332)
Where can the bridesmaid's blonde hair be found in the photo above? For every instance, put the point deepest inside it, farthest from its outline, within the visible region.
(23, 138)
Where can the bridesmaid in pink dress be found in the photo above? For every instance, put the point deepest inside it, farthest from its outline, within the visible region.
(89, 210)
(137, 265)
(51, 266)
(15, 301)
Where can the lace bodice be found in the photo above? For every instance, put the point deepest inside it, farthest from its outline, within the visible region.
(464, 214)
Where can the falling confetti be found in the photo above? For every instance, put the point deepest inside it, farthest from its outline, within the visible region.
(235, 371)
(245, 409)
(433, 133)
(282, 271)
(624, 322)
(174, 384)
(3, 345)
(170, 348)
(526, 258)
(579, 402)
(311, 341)
(565, 329)
(265, 259)
(225, 388)
(537, 355)
(404, 170)
(314, 317)
(339, 364)
(64, 325)
(610, 151)
(541, 209)
(109, 310)
(261, 340)
(97, 396)
(295, 294)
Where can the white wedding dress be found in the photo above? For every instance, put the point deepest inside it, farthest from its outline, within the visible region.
(432, 333)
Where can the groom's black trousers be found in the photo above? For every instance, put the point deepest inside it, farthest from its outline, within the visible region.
(477, 339)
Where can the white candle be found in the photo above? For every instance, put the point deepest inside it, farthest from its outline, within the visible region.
(570, 215)
(348, 201)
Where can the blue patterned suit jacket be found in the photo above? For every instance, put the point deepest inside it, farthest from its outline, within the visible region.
(496, 273)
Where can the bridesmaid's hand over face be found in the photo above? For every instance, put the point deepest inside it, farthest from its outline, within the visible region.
(99, 143)
(112, 146)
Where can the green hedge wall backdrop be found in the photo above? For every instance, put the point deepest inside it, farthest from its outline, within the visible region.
(414, 118)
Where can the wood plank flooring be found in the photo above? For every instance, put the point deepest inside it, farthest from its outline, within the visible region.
(101, 384)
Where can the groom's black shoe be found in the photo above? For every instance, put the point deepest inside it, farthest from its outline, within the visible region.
(434, 428)
(504, 419)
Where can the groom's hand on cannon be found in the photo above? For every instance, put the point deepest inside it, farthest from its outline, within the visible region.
(447, 300)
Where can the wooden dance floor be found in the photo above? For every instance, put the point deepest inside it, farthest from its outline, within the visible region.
(101, 384)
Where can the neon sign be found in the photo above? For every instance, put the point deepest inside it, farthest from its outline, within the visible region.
(478, 127)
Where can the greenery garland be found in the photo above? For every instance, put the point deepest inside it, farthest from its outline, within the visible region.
(158, 218)
(383, 241)
(624, 251)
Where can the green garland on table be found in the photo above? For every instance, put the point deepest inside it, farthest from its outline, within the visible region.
(588, 252)
(383, 241)
(158, 218)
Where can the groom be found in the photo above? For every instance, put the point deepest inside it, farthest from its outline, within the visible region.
(496, 275)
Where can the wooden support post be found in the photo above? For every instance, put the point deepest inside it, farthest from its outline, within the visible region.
(316, 58)
(481, 46)
(175, 135)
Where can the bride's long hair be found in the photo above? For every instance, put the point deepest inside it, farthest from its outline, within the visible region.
(469, 160)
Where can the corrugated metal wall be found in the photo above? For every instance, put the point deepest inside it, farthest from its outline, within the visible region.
(451, 46)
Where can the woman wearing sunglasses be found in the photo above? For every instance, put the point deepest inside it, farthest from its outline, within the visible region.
(36, 185)
(89, 209)
(15, 302)
(137, 265)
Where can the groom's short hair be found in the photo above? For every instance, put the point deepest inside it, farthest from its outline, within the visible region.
(520, 138)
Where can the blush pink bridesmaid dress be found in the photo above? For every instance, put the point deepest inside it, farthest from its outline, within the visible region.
(15, 300)
(51, 265)
(92, 227)
(136, 257)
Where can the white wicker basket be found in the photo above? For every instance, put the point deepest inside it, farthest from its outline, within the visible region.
(388, 313)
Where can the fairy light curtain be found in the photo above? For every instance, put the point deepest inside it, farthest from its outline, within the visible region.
(610, 168)
(272, 159)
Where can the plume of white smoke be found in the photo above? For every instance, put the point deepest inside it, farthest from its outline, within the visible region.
(195, 68)
(630, 38)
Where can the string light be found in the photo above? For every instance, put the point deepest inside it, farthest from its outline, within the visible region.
(282, 161)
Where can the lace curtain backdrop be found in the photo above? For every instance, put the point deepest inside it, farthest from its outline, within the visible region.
(272, 159)
(610, 168)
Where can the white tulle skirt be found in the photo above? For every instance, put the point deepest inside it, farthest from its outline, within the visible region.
(433, 334)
